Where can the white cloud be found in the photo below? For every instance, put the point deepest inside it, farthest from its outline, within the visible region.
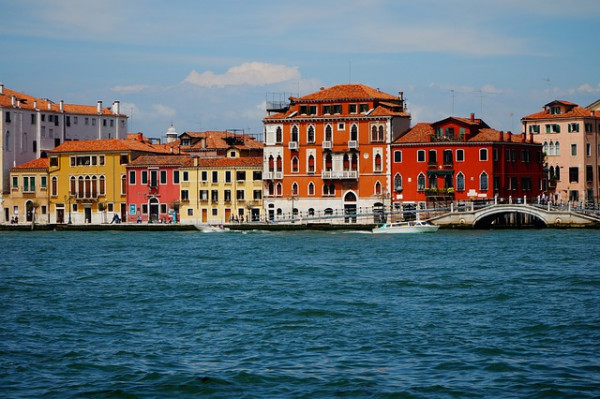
(248, 73)
(163, 111)
(586, 88)
(129, 89)
(155, 111)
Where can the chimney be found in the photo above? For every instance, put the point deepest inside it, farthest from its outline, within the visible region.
(62, 106)
(49, 106)
(13, 100)
(524, 138)
(531, 137)
(1, 88)
(18, 103)
(509, 136)
(34, 104)
(116, 107)
(472, 117)
(401, 95)
(195, 161)
(99, 107)
(140, 136)
(501, 135)
(593, 112)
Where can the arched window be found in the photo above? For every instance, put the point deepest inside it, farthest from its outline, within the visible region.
(328, 133)
(279, 164)
(279, 190)
(421, 182)
(557, 172)
(271, 163)
(378, 166)
(346, 161)
(397, 156)
(311, 189)
(278, 135)
(381, 136)
(270, 189)
(483, 154)
(460, 182)
(551, 172)
(54, 186)
(374, 133)
(88, 187)
(557, 148)
(294, 133)
(72, 186)
(377, 188)
(310, 134)
(551, 149)
(94, 186)
(433, 181)
(545, 148)
(331, 189)
(325, 190)
(328, 162)
(398, 182)
(354, 132)
(311, 211)
(295, 165)
(123, 184)
(102, 188)
(483, 181)
(354, 165)
(311, 164)
(328, 211)
(294, 188)
(80, 187)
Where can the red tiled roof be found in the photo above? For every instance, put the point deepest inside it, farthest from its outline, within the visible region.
(494, 135)
(346, 92)
(162, 160)
(108, 145)
(230, 162)
(216, 140)
(420, 133)
(40, 163)
(43, 103)
(575, 112)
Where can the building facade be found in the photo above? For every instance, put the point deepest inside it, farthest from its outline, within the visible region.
(28, 200)
(464, 159)
(87, 179)
(153, 188)
(31, 126)
(327, 153)
(570, 138)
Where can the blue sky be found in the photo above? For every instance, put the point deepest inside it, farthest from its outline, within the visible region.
(208, 65)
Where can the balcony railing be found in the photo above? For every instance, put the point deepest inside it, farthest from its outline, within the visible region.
(278, 175)
(352, 144)
(327, 145)
(339, 174)
(439, 192)
(293, 145)
(268, 175)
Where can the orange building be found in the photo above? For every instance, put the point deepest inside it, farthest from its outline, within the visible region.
(327, 153)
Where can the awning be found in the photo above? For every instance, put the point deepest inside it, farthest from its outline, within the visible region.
(440, 172)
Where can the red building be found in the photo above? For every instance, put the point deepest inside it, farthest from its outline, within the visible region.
(153, 187)
(328, 152)
(464, 159)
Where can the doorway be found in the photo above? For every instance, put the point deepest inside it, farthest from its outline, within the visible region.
(154, 210)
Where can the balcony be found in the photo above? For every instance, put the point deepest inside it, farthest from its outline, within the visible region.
(440, 192)
(278, 175)
(327, 145)
(268, 175)
(339, 174)
(353, 144)
(293, 145)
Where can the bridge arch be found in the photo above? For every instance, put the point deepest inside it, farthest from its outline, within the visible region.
(489, 217)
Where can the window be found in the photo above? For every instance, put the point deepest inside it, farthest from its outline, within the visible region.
(378, 164)
(352, 108)
(144, 177)
(588, 149)
(203, 195)
(310, 134)
(101, 160)
(240, 175)
(294, 135)
(573, 149)
(124, 159)
(215, 212)
(227, 195)
(15, 182)
(552, 128)
(326, 109)
(573, 175)
(175, 177)
(123, 184)
(185, 195)
(53, 161)
(294, 188)
(227, 176)
(295, 165)
(132, 177)
(421, 182)
(257, 175)
(54, 186)
(278, 135)
(483, 154)
(190, 211)
(354, 132)
(397, 156)
(377, 188)
(573, 127)
(163, 177)
(363, 108)
(398, 182)
(341, 126)
(460, 182)
(43, 183)
(311, 189)
(589, 173)
(311, 164)
(185, 176)
(257, 195)
(421, 156)
(102, 184)
(279, 189)
(433, 157)
(214, 195)
(7, 117)
(534, 129)
(336, 108)
(328, 133)
(204, 176)
(448, 157)
(483, 181)
(460, 155)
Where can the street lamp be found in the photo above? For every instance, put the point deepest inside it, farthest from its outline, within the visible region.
(292, 197)
(70, 195)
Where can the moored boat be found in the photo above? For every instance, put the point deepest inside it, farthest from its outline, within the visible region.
(413, 226)
(207, 228)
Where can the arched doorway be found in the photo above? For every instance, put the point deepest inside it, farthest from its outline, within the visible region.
(29, 211)
(153, 205)
(350, 207)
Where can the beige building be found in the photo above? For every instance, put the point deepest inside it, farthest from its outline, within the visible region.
(28, 200)
(570, 136)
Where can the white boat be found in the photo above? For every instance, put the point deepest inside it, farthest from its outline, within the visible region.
(413, 226)
(207, 228)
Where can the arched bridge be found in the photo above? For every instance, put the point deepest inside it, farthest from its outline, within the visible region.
(515, 214)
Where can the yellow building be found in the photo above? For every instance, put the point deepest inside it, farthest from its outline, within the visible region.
(87, 179)
(28, 199)
(222, 189)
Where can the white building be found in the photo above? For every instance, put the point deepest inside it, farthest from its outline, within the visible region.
(31, 126)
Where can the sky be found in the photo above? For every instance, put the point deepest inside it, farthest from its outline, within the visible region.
(212, 65)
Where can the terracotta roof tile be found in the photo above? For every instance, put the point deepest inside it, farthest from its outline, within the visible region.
(346, 92)
(575, 112)
(216, 140)
(40, 163)
(162, 160)
(230, 162)
(108, 145)
(420, 133)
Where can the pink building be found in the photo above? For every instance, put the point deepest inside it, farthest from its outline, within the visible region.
(153, 188)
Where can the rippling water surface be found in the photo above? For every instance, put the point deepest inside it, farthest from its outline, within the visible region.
(300, 314)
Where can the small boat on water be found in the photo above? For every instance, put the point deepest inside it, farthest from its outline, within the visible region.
(413, 226)
(207, 228)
